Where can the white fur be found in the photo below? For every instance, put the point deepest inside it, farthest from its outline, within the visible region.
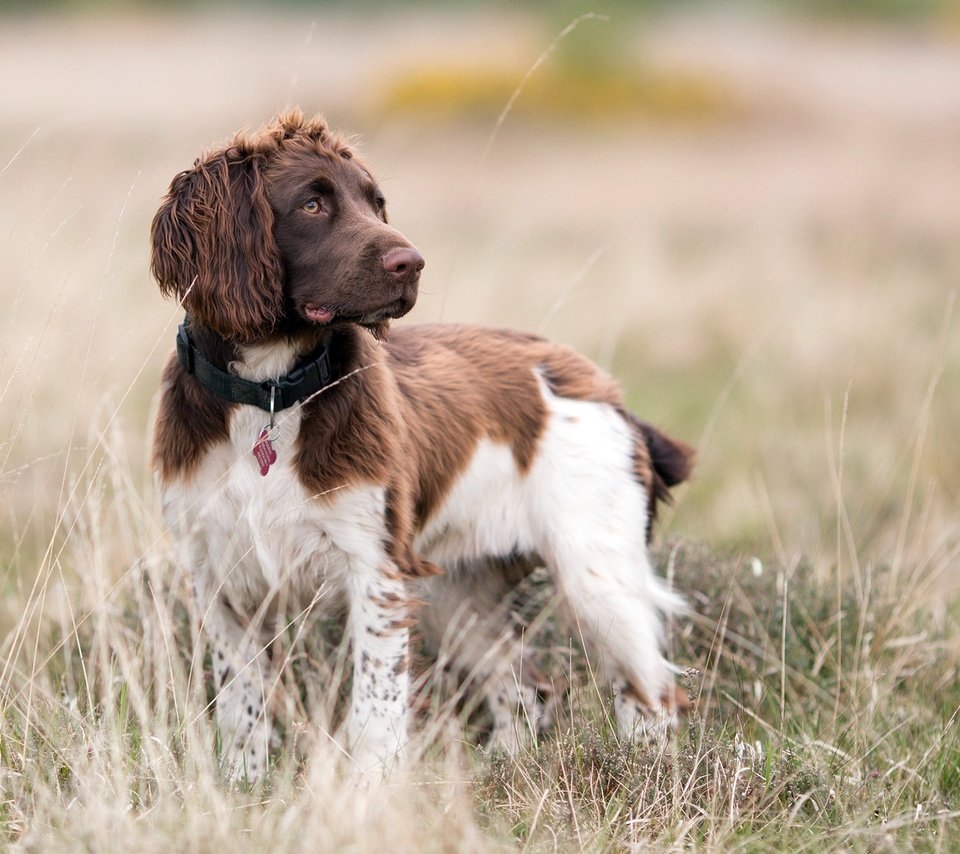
(485, 513)
(254, 541)
(251, 540)
(581, 509)
(259, 362)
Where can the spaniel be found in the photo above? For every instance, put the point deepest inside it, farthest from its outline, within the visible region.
(306, 460)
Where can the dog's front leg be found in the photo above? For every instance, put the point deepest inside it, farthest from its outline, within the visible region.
(379, 630)
(242, 676)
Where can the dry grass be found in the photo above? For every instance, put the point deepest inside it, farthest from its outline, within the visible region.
(777, 287)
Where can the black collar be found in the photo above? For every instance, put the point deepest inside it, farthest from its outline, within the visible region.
(311, 374)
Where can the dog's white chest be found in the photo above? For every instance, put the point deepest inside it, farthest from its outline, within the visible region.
(256, 534)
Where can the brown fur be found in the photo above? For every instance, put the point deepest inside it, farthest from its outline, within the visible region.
(281, 238)
(410, 413)
(463, 383)
(191, 418)
(213, 247)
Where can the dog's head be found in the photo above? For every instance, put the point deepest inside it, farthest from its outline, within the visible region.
(281, 230)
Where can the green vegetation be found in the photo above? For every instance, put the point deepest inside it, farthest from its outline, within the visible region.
(823, 714)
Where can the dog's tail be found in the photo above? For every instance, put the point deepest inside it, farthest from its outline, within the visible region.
(671, 462)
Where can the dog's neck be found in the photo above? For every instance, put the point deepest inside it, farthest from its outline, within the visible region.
(269, 359)
(217, 350)
(348, 348)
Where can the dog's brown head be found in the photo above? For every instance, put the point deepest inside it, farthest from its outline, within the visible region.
(281, 230)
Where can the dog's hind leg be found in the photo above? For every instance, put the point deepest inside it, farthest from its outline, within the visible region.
(473, 628)
(590, 512)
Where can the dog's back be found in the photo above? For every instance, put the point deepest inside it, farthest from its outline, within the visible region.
(489, 383)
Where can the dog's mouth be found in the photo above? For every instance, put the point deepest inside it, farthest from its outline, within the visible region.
(322, 314)
(317, 313)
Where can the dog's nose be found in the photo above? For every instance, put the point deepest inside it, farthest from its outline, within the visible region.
(403, 262)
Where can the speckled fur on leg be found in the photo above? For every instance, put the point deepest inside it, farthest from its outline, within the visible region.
(241, 674)
(379, 623)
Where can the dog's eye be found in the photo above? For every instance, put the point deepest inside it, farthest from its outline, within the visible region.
(312, 206)
(381, 202)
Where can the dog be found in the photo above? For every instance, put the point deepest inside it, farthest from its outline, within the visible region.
(305, 456)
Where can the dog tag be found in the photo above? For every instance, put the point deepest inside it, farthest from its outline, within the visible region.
(264, 452)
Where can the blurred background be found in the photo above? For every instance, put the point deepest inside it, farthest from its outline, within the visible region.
(747, 211)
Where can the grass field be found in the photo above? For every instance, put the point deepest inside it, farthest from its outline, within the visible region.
(752, 222)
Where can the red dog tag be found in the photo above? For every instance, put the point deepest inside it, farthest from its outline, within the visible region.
(263, 451)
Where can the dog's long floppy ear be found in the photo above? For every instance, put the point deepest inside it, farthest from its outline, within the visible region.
(213, 246)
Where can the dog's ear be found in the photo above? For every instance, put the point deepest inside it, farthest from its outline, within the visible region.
(213, 247)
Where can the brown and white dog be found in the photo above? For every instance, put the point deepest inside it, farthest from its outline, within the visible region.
(445, 448)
